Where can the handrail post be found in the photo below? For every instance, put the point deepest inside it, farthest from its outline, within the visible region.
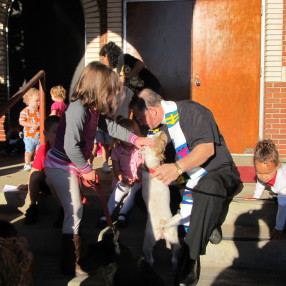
(42, 108)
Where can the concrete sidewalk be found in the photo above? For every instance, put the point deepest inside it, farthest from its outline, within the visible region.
(244, 257)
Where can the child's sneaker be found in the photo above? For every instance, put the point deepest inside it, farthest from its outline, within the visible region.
(31, 215)
(27, 167)
(105, 168)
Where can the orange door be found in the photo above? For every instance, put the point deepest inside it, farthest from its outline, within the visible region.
(226, 67)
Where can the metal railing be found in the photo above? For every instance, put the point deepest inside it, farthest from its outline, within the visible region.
(38, 78)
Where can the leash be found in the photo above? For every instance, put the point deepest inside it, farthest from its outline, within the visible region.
(92, 184)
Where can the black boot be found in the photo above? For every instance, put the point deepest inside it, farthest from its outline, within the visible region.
(58, 223)
(31, 215)
(68, 255)
(188, 272)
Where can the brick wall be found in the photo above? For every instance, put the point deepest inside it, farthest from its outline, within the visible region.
(275, 57)
(275, 75)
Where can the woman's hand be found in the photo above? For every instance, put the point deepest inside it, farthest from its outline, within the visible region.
(167, 173)
(140, 142)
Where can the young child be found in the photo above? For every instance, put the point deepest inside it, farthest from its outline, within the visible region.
(37, 178)
(94, 94)
(58, 94)
(30, 120)
(271, 176)
(125, 162)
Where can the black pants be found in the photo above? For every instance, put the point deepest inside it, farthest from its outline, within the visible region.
(210, 209)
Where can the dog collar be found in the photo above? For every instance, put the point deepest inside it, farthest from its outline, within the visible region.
(152, 170)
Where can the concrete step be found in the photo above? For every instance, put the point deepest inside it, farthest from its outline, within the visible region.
(245, 237)
(216, 276)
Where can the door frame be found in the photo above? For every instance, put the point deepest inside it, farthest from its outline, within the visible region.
(262, 68)
(262, 57)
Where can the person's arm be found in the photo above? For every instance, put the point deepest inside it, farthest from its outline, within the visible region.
(199, 155)
(115, 130)
(53, 112)
(117, 172)
(138, 67)
(72, 139)
(259, 189)
(24, 122)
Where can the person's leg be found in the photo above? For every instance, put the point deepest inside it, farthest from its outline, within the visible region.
(129, 200)
(207, 209)
(67, 188)
(35, 179)
(119, 191)
(106, 140)
(93, 153)
(28, 154)
(281, 214)
(105, 153)
(58, 223)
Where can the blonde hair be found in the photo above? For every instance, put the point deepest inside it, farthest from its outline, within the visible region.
(97, 88)
(265, 151)
(59, 92)
(29, 94)
(15, 261)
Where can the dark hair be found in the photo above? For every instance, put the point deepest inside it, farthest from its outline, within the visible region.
(146, 98)
(112, 51)
(127, 123)
(51, 120)
(265, 151)
(138, 102)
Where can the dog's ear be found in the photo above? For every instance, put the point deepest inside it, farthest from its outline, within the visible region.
(163, 138)
(160, 144)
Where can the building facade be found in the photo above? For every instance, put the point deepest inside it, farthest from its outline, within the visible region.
(106, 21)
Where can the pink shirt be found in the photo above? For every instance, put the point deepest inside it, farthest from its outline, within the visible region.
(59, 106)
(129, 161)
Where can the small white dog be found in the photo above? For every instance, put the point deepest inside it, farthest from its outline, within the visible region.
(161, 224)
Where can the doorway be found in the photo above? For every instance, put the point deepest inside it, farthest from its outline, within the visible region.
(205, 50)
